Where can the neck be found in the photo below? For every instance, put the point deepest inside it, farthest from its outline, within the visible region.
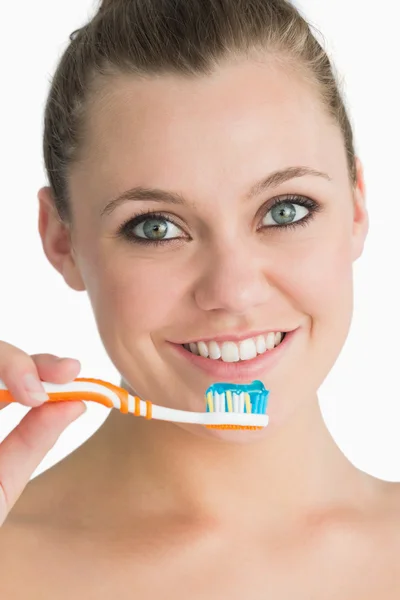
(155, 467)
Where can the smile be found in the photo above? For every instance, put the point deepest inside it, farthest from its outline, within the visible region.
(236, 370)
(231, 351)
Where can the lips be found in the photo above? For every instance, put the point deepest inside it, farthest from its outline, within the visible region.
(237, 372)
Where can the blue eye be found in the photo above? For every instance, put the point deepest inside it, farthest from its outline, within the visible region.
(290, 212)
(156, 228)
(285, 213)
(150, 228)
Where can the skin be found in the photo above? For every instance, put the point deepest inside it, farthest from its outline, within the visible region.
(287, 495)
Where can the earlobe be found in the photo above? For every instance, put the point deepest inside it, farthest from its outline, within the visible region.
(56, 241)
(361, 218)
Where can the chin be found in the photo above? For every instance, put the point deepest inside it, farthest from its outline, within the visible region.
(230, 436)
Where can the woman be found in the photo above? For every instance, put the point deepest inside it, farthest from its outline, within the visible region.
(204, 190)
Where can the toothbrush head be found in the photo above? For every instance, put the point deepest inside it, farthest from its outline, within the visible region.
(246, 399)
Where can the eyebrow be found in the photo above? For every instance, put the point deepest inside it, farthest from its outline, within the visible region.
(273, 180)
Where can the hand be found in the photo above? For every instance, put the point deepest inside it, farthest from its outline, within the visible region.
(26, 446)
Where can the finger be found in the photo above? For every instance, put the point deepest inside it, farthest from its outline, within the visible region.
(43, 367)
(25, 447)
(56, 370)
(14, 366)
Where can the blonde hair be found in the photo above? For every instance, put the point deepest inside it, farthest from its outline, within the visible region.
(183, 37)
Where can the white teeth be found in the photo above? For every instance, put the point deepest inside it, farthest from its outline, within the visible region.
(260, 344)
(232, 351)
(203, 350)
(247, 349)
(229, 352)
(214, 350)
(270, 340)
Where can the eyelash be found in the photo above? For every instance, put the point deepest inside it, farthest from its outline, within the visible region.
(125, 230)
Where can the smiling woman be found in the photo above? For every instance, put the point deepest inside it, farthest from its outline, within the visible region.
(205, 192)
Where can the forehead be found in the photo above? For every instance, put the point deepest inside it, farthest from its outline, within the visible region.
(245, 113)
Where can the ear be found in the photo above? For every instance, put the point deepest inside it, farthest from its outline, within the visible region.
(361, 218)
(57, 241)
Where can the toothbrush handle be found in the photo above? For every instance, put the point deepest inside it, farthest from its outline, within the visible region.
(66, 396)
(6, 396)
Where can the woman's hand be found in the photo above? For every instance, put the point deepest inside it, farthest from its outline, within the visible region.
(26, 446)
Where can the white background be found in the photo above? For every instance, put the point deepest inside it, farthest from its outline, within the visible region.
(360, 399)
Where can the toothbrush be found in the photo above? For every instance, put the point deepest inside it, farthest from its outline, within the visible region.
(228, 406)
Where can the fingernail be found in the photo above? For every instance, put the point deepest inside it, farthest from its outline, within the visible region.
(35, 388)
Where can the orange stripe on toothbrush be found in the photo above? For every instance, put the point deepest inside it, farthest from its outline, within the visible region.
(6, 396)
(149, 409)
(122, 394)
(98, 397)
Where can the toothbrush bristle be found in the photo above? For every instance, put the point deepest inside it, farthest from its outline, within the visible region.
(235, 398)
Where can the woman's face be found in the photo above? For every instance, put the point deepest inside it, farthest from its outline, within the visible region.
(219, 262)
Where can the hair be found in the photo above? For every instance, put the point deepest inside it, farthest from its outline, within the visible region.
(145, 38)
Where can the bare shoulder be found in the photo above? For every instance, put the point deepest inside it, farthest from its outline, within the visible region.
(25, 525)
(36, 501)
(34, 525)
(42, 552)
(37, 547)
(21, 545)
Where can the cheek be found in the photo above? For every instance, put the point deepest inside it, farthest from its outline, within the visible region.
(320, 286)
(137, 296)
(322, 281)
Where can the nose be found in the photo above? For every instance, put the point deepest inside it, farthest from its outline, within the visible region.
(233, 280)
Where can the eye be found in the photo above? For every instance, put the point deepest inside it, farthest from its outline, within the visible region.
(150, 228)
(156, 228)
(290, 211)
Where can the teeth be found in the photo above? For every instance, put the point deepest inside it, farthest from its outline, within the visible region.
(247, 349)
(214, 350)
(229, 352)
(203, 350)
(270, 340)
(260, 344)
(233, 352)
